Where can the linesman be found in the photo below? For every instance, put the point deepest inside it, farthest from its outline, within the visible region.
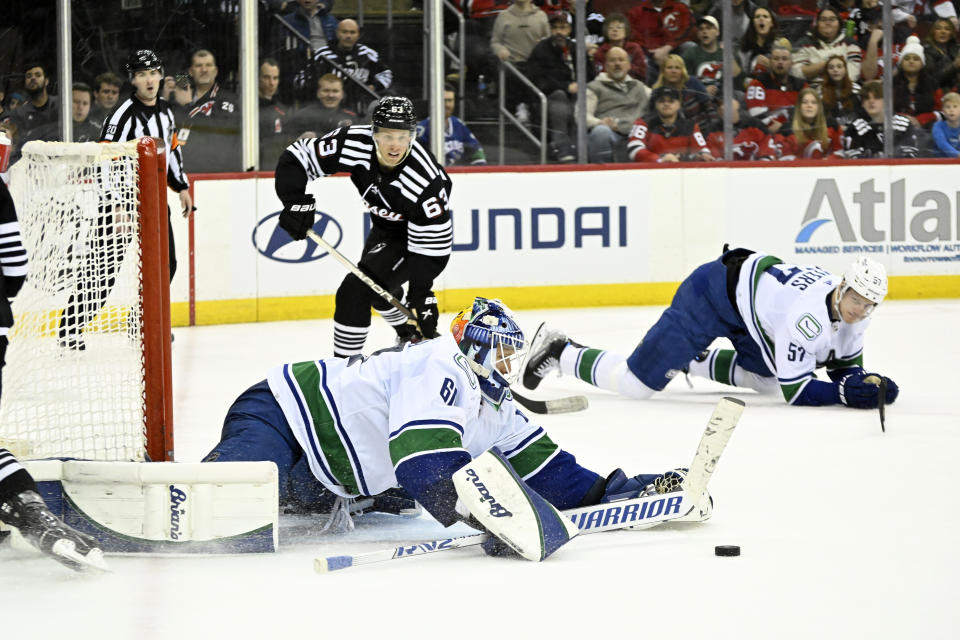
(144, 113)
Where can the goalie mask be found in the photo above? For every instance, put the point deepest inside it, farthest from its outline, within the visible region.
(866, 277)
(490, 337)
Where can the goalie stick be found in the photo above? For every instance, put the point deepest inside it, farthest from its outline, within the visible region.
(560, 405)
(638, 513)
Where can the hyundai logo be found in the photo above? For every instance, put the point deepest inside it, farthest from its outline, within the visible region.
(273, 242)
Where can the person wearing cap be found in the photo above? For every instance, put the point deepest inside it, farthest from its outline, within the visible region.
(915, 91)
(142, 113)
(405, 191)
(666, 137)
(705, 60)
(551, 67)
(826, 39)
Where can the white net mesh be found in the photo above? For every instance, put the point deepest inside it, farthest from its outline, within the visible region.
(73, 385)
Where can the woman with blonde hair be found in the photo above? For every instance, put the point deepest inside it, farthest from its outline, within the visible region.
(840, 94)
(695, 103)
(809, 134)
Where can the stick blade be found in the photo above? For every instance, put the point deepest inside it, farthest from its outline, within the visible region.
(882, 404)
(568, 404)
(717, 434)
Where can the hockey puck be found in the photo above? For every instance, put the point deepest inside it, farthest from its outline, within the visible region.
(726, 550)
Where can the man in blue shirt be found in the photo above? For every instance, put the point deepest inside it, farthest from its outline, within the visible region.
(460, 145)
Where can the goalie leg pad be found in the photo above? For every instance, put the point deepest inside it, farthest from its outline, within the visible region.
(509, 509)
(165, 507)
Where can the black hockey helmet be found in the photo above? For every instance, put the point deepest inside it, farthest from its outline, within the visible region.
(143, 59)
(394, 112)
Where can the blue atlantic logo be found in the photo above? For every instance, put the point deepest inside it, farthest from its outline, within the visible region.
(809, 228)
(276, 244)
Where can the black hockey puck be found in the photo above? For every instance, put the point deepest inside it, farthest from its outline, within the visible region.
(726, 550)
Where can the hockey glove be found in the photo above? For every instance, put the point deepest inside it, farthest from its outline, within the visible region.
(858, 392)
(425, 308)
(297, 216)
(892, 389)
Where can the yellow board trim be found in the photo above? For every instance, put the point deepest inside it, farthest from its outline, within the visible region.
(547, 297)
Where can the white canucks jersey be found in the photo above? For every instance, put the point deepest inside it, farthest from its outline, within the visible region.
(358, 419)
(785, 308)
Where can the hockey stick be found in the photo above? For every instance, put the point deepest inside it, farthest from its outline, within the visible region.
(640, 512)
(882, 404)
(560, 405)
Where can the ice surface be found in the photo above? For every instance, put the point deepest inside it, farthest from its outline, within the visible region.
(845, 532)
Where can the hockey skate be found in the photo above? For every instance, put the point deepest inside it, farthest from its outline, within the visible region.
(544, 357)
(29, 514)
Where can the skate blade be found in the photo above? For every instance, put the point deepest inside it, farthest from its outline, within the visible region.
(93, 560)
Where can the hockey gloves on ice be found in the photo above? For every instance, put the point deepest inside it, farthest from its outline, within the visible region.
(297, 216)
(425, 308)
(861, 390)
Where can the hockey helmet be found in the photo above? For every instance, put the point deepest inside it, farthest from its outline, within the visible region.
(489, 336)
(141, 60)
(868, 278)
(394, 112)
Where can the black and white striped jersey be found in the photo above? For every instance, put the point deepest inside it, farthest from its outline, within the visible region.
(411, 199)
(362, 63)
(131, 119)
(13, 258)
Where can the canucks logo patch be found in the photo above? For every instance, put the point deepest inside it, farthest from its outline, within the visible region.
(808, 326)
(461, 361)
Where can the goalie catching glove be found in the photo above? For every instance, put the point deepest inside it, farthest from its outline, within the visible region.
(861, 390)
(297, 216)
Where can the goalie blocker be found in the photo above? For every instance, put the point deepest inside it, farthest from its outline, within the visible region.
(160, 507)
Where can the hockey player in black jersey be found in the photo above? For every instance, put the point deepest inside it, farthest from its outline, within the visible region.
(143, 113)
(406, 194)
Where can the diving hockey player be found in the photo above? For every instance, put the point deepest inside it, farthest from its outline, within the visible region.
(409, 417)
(407, 196)
(784, 321)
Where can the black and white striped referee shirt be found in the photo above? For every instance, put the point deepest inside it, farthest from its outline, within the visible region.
(13, 258)
(131, 119)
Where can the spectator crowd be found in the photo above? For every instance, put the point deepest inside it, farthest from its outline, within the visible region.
(807, 81)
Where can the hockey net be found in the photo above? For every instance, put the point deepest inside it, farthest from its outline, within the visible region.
(88, 364)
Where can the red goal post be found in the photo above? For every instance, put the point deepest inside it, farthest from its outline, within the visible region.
(89, 371)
